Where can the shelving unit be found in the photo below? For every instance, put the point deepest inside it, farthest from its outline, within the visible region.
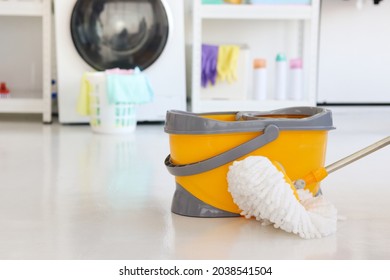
(28, 102)
(230, 11)
(253, 19)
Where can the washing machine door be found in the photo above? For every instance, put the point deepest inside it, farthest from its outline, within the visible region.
(119, 33)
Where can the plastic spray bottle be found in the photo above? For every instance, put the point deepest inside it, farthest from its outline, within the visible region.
(259, 79)
(296, 79)
(281, 77)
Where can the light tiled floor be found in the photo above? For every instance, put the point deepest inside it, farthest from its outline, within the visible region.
(66, 193)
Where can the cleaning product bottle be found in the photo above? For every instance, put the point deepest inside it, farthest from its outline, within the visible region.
(281, 77)
(296, 80)
(4, 91)
(259, 79)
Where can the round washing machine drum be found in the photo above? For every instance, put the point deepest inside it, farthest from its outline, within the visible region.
(119, 33)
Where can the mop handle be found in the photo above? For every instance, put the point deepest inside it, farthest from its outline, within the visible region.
(359, 154)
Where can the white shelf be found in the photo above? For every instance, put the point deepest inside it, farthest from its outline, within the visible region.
(293, 12)
(21, 105)
(211, 18)
(30, 102)
(21, 8)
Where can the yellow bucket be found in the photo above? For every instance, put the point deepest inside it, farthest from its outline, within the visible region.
(203, 146)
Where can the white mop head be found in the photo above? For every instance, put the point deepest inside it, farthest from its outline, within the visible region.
(260, 190)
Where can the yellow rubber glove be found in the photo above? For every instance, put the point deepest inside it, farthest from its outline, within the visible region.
(227, 62)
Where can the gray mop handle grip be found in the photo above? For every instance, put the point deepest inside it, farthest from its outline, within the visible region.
(271, 132)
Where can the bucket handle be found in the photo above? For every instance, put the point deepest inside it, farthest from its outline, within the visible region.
(271, 132)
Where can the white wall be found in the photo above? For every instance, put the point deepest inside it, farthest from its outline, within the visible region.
(354, 52)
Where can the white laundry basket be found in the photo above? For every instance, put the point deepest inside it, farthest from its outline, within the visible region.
(119, 118)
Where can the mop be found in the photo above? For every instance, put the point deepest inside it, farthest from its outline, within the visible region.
(261, 189)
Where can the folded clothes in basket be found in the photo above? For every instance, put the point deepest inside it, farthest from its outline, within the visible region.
(84, 98)
(132, 88)
(120, 71)
(119, 86)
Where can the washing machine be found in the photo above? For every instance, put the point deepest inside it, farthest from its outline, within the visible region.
(95, 35)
